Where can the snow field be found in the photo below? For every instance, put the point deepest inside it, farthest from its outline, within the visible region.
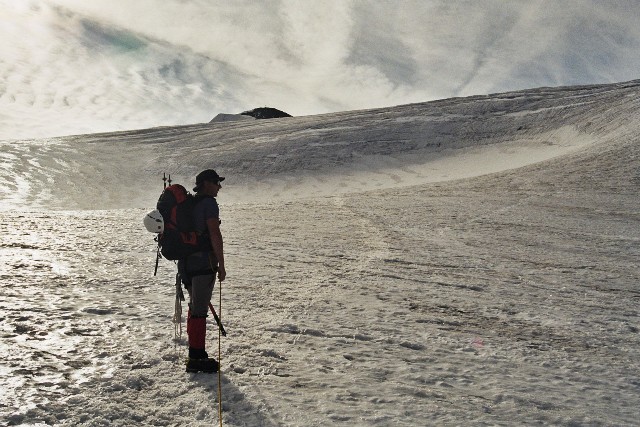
(505, 296)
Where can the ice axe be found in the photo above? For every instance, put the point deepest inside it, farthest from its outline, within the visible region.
(215, 316)
(157, 239)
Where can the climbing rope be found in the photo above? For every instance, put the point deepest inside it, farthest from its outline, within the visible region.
(220, 356)
(221, 332)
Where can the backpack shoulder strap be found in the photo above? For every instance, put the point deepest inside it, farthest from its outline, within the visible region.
(200, 197)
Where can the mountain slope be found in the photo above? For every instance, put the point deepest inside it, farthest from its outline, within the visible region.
(316, 155)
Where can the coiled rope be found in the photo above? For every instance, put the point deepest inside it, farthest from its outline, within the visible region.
(177, 310)
(177, 320)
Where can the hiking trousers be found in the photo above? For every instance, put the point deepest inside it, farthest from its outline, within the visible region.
(200, 293)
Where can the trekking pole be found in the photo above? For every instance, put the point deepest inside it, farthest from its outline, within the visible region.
(218, 321)
(164, 179)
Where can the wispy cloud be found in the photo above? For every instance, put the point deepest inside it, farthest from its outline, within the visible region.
(71, 66)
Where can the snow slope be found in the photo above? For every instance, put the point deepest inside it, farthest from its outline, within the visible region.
(464, 261)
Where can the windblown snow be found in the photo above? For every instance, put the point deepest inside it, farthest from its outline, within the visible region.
(469, 261)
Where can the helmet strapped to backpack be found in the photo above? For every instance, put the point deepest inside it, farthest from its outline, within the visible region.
(153, 221)
(179, 238)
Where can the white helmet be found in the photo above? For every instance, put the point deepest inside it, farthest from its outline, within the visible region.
(153, 221)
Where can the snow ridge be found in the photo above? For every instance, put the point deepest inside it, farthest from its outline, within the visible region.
(303, 156)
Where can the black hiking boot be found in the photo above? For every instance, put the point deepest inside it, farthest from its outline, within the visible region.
(208, 365)
(197, 353)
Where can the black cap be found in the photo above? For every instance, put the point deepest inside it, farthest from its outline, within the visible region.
(207, 175)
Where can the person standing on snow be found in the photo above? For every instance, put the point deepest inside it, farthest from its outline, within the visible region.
(200, 269)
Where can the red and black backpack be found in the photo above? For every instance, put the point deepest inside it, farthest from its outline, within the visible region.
(180, 238)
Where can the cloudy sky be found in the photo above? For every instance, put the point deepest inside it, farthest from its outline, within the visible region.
(77, 66)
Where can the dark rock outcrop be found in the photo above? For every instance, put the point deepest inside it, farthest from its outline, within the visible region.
(265, 113)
